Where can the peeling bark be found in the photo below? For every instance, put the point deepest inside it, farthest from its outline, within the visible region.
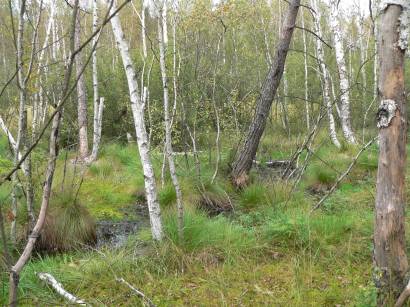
(390, 259)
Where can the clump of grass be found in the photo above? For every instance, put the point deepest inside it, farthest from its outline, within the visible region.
(284, 230)
(167, 196)
(213, 198)
(253, 196)
(68, 225)
(201, 233)
(320, 178)
(102, 168)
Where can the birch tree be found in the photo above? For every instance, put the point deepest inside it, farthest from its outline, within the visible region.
(167, 118)
(81, 97)
(305, 62)
(325, 79)
(345, 118)
(139, 123)
(98, 101)
(390, 257)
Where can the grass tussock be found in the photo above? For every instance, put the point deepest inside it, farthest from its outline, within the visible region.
(68, 225)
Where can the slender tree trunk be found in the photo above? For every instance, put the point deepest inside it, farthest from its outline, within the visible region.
(141, 133)
(81, 96)
(305, 61)
(323, 68)
(345, 118)
(22, 119)
(51, 165)
(98, 101)
(168, 136)
(246, 154)
(390, 258)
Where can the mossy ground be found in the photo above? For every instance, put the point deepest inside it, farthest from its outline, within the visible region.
(270, 251)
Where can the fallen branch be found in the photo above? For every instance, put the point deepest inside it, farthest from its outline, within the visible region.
(342, 176)
(138, 292)
(51, 281)
(403, 296)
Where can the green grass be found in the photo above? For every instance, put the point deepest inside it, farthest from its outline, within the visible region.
(269, 250)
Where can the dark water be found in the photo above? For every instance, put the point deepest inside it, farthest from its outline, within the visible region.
(115, 233)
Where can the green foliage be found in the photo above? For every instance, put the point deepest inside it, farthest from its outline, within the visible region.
(201, 232)
(167, 196)
(253, 196)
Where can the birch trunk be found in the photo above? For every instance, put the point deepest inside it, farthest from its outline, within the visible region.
(22, 119)
(168, 136)
(81, 97)
(390, 257)
(305, 61)
(323, 68)
(246, 154)
(141, 133)
(98, 102)
(345, 118)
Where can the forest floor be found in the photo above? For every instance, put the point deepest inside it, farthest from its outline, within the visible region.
(271, 250)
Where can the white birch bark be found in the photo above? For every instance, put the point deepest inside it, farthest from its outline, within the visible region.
(323, 68)
(144, 30)
(167, 119)
(98, 102)
(306, 74)
(345, 118)
(10, 138)
(81, 97)
(141, 133)
(58, 287)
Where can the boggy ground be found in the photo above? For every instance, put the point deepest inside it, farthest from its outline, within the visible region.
(269, 251)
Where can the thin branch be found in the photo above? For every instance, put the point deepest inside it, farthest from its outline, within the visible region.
(314, 34)
(336, 184)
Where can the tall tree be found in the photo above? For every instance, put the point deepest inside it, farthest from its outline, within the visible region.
(139, 123)
(325, 75)
(81, 96)
(98, 101)
(245, 156)
(345, 118)
(167, 118)
(390, 258)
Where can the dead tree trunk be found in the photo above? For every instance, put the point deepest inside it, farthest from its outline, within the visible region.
(246, 154)
(390, 258)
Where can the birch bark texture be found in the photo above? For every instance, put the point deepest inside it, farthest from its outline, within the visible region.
(246, 154)
(345, 118)
(141, 133)
(81, 96)
(325, 77)
(390, 259)
(167, 119)
(98, 101)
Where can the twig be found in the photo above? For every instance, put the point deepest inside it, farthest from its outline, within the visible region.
(51, 281)
(342, 176)
(403, 296)
(138, 292)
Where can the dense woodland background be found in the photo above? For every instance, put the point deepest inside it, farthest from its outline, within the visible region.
(298, 232)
